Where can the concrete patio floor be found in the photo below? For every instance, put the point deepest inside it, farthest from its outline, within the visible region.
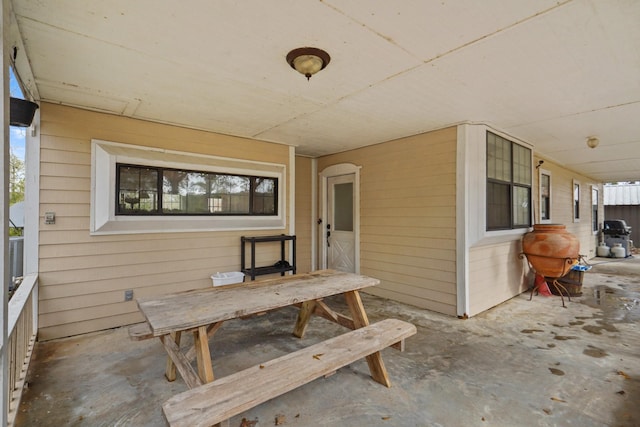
(522, 363)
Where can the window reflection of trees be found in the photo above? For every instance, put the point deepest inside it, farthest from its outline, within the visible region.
(138, 190)
(264, 198)
(184, 192)
(198, 192)
(191, 192)
(231, 192)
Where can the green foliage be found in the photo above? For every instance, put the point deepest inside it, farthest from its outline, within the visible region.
(16, 179)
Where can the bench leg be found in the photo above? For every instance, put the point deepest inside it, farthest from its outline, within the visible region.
(306, 310)
(203, 356)
(360, 319)
(170, 372)
(399, 346)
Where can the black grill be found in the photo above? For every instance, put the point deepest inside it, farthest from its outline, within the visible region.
(616, 231)
(616, 227)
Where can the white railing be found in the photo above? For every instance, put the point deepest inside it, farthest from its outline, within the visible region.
(21, 338)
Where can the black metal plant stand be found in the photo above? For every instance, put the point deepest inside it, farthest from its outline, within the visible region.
(567, 264)
(281, 266)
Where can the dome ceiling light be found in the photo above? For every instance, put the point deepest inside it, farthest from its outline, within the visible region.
(592, 142)
(308, 60)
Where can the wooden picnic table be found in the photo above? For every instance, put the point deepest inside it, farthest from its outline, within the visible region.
(203, 312)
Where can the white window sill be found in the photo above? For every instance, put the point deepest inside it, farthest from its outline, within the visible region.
(502, 236)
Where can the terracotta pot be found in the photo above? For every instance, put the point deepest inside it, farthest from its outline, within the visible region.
(551, 249)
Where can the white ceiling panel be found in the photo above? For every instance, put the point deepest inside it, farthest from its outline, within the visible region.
(429, 29)
(549, 72)
(74, 96)
(564, 138)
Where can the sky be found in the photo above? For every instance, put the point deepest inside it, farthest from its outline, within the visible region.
(16, 134)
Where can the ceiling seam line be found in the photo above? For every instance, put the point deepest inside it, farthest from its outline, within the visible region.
(579, 113)
(496, 32)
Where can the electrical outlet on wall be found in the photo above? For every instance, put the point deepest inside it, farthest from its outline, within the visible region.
(49, 217)
(128, 295)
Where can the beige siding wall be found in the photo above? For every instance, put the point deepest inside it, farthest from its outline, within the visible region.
(496, 274)
(83, 277)
(304, 227)
(562, 204)
(407, 224)
(408, 233)
(496, 271)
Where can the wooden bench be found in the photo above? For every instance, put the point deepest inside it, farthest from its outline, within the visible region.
(217, 401)
(140, 331)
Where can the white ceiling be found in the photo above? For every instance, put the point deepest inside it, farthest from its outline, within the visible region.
(550, 73)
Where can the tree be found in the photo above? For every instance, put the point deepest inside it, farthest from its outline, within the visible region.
(16, 179)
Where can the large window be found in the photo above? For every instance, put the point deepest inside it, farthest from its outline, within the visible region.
(137, 189)
(508, 184)
(144, 190)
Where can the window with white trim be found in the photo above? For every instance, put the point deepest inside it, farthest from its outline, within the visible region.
(142, 190)
(576, 201)
(508, 184)
(545, 195)
(594, 208)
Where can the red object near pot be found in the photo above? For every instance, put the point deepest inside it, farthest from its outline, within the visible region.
(551, 249)
(541, 285)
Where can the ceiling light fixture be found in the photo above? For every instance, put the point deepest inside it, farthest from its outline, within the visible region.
(592, 142)
(308, 60)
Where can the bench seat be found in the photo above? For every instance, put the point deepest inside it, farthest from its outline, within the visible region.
(140, 332)
(228, 396)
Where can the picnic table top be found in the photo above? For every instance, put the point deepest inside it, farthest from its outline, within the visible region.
(186, 310)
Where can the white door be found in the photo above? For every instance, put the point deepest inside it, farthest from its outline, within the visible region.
(341, 236)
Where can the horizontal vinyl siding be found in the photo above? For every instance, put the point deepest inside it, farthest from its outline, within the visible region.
(407, 217)
(82, 277)
(304, 228)
(496, 271)
(562, 205)
(496, 274)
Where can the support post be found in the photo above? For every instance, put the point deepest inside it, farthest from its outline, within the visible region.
(5, 387)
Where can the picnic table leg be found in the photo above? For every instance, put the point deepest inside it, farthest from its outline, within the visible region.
(170, 372)
(306, 310)
(360, 319)
(211, 331)
(203, 356)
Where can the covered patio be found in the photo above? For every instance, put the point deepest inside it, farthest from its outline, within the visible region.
(417, 112)
(521, 363)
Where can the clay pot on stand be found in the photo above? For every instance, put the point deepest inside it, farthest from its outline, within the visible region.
(551, 249)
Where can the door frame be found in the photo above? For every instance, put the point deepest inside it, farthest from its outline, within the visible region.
(332, 171)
